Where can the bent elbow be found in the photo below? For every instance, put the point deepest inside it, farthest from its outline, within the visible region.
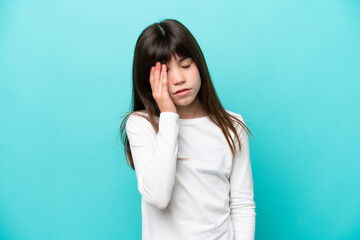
(156, 197)
(160, 201)
(157, 193)
(162, 204)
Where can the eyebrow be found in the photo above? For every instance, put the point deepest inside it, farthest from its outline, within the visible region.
(182, 59)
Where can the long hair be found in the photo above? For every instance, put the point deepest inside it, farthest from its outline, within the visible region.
(158, 42)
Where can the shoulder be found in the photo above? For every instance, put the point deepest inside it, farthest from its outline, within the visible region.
(237, 115)
(239, 127)
(138, 120)
(138, 115)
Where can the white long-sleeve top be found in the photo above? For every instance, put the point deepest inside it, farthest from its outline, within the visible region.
(191, 187)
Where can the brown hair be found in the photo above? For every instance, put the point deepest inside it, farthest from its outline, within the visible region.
(158, 42)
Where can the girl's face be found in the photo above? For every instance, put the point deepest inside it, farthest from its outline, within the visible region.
(183, 73)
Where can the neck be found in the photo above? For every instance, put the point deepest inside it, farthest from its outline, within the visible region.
(193, 110)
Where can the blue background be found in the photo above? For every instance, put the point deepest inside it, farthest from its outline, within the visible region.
(291, 68)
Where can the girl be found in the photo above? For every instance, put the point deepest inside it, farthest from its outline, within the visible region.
(190, 155)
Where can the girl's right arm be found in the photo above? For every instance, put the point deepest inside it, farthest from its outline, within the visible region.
(154, 156)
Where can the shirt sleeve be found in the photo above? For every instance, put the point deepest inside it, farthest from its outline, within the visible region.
(242, 205)
(154, 156)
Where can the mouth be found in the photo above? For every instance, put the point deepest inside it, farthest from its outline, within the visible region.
(182, 92)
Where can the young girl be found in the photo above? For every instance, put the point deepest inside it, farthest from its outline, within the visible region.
(194, 177)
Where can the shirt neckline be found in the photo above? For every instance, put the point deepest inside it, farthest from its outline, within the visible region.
(194, 120)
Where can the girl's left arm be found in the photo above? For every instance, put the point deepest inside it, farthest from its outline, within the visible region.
(242, 205)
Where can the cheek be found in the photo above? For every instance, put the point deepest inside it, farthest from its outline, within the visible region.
(194, 73)
(196, 79)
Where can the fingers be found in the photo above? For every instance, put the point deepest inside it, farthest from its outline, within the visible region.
(158, 78)
(152, 75)
(157, 75)
(164, 78)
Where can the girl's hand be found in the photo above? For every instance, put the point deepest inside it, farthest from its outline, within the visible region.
(159, 86)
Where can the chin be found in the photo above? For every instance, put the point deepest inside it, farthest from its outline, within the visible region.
(184, 103)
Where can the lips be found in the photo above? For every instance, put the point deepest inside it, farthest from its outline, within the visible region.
(180, 90)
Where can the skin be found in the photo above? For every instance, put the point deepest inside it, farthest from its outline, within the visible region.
(166, 79)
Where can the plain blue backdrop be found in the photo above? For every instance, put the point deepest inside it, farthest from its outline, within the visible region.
(291, 68)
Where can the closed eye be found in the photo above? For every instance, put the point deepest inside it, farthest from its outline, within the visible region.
(187, 66)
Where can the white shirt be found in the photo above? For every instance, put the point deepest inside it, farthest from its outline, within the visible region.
(206, 194)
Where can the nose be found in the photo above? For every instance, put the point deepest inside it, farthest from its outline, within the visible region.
(177, 77)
